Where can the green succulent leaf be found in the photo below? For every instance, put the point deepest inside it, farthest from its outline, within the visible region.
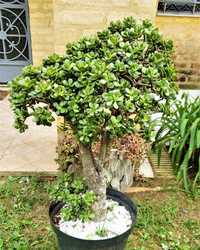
(74, 194)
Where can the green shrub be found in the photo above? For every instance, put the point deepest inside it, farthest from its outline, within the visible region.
(74, 193)
(181, 130)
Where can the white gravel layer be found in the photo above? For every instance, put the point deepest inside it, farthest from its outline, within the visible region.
(118, 221)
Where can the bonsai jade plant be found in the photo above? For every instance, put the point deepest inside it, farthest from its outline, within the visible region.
(106, 86)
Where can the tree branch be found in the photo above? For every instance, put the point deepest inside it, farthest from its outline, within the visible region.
(89, 164)
(127, 77)
(89, 154)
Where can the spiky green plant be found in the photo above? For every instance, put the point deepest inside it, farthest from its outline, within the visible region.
(180, 130)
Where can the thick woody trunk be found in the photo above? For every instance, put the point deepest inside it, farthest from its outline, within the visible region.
(94, 179)
(104, 150)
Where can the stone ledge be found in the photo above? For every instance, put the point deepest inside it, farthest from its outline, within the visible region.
(4, 91)
(47, 173)
(4, 87)
(132, 190)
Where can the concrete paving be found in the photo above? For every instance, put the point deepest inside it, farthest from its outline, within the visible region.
(29, 153)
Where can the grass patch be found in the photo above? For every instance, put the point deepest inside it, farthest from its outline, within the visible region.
(24, 215)
(166, 220)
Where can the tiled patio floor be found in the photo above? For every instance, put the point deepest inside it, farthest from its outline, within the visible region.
(29, 153)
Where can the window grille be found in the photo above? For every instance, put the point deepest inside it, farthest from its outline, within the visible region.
(187, 7)
(15, 47)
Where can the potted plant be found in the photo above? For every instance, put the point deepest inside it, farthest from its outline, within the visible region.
(105, 87)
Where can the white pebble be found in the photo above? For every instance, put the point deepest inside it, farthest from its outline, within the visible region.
(117, 221)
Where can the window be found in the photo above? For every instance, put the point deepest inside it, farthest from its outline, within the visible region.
(179, 7)
(15, 51)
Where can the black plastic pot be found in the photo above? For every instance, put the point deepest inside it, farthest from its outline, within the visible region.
(67, 242)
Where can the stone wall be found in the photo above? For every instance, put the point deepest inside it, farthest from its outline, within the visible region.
(76, 18)
(42, 28)
(54, 23)
(185, 33)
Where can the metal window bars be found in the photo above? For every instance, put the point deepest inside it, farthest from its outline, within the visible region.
(179, 6)
(15, 42)
(14, 34)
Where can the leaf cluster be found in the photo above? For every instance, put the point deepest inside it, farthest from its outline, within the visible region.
(76, 197)
(181, 130)
(100, 82)
(101, 232)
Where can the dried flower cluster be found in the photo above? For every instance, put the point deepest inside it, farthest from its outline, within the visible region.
(132, 146)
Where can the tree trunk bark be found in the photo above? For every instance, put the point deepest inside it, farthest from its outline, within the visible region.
(104, 150)
(95, 180)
